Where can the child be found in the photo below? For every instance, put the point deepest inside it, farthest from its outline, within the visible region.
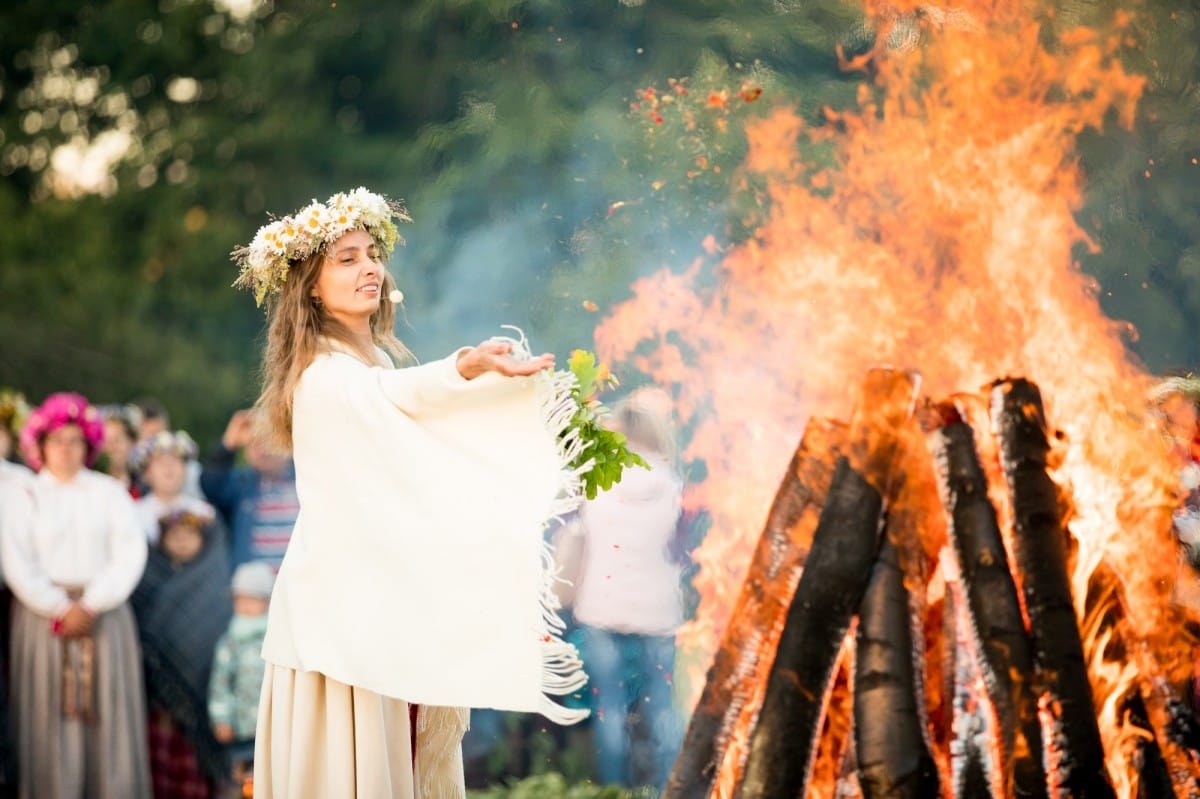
(182, 606)
(237, 671)
(182, 536)
(163, 462)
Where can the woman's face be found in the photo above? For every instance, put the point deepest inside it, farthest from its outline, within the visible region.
(351, 281)
(165, 474)
(116, 444)
(64, 451)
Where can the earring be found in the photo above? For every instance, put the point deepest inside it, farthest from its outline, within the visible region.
(396, 296)
(316, 301)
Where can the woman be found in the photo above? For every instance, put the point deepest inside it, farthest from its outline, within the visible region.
(120, 435)
(628, 601)
(415, 584)
(13, 477)
(73, 552)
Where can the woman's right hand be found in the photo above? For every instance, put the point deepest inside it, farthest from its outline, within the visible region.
(76, 622)
(240, 430)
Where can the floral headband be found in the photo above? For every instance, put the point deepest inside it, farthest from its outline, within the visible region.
(265, 261)
(128, 415)
(164, 442)
(183, 517)
(13, 409)
(57, 411)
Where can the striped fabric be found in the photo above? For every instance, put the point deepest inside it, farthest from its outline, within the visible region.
(274, 516)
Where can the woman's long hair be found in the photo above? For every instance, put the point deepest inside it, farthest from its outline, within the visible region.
(296, 323)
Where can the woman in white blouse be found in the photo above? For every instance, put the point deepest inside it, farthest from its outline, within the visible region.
(414, 585)
(73, 552)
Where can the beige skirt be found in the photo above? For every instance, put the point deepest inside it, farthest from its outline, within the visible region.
(79, 735)
(319, 738)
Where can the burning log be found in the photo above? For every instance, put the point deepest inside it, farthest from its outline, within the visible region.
(889, 734)
(992, 611)
(968, 749)
(1169, 752)
(1161, 735)
(1175, 734)
(819, 686)
(829, 593)
(892, 726)
(834, 760)
(727, 705)
(830, 590)
(1076, 753)
(1155, 778)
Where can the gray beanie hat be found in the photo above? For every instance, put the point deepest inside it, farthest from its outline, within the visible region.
(255, 579)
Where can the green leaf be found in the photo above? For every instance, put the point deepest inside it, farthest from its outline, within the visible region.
(607, 450)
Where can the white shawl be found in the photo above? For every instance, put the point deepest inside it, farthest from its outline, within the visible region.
(418, 568)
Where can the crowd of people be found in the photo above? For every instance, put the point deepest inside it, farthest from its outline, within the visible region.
(165, 612)
(136, 583)
(120, 546)
(137, 579)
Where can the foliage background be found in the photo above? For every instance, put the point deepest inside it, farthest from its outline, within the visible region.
(141, 140)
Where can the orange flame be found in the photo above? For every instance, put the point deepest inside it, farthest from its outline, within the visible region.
(941, 240)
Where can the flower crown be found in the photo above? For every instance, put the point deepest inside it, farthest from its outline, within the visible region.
(13, 409)
(56, 411)
(265, 261)
(183, 517)
(164, 442)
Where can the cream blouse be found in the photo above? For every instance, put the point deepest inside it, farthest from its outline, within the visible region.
(82, 534)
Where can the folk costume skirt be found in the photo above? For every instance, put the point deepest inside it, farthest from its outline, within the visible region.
(318, 737)
(79, 709)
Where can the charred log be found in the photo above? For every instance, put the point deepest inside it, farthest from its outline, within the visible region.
(973, 781)
(749, 641)
(969, 766)
(894, 761)
(1040, 551)
(1154, 779)
(993, 612)
(829, 593)
(1168, 751)
(1174, 727)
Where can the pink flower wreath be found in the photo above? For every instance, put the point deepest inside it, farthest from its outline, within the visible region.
(56, 411)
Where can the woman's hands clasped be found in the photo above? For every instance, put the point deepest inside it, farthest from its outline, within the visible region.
(495, 355)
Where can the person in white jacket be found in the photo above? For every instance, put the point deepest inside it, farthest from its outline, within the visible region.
(13, 478)
(73, 552)
(628, 600)
(163, 460)
(415, 584)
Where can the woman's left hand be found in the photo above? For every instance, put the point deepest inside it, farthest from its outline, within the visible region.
(495, 355)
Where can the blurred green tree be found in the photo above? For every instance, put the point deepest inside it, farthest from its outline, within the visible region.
(141, 141)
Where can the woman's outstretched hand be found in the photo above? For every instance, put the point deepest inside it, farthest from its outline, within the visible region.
(495, 355)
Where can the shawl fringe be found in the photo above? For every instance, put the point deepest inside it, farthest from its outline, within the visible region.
(562, 668)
